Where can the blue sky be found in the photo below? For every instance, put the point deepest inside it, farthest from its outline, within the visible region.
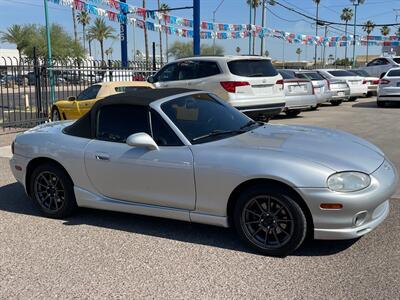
(231, 11)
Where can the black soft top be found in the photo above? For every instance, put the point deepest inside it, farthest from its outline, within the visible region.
(85, 126)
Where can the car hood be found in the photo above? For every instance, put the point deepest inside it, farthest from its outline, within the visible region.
(337, 150)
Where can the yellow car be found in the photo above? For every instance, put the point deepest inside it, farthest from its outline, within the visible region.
(75, 107)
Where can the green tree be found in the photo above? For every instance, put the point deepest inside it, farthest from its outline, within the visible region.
(17, 35)
(165, 9)
(298, 52)
(266, 53)
(368, 27)
(254, 4)
(181, 49)
(237, 50)
(100, 32)
(83, 19)
(346, 16)
(63, 45)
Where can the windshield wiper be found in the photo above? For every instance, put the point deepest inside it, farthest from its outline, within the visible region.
(250, 123)
(215, 133)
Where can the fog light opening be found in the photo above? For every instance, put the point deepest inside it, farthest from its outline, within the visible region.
(360, 218)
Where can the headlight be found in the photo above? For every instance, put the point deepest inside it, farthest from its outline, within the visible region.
(348, 181)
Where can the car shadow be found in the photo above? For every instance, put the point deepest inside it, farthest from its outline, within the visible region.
(14, 200)
(372, 104)
(285, 117)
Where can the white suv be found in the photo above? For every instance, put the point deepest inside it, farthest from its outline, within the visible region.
(249, 83)
(381, 65)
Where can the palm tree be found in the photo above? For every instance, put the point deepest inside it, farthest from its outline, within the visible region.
(237, 50)
(346, 16)
(17, 35)
(83, 19)
(100, 31)
(385, 30)
(298, 52)
(317, 2)
(266, 53)
(146, 43)
(74, 22)
(254, 4)
(165, 9)
(368, 27)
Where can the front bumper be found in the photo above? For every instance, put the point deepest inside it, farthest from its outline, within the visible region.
(18, 166)
(362, 211)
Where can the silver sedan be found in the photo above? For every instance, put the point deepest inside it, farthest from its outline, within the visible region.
(186, 155)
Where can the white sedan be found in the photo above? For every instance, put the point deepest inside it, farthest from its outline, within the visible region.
(389, 88)
(186, 155)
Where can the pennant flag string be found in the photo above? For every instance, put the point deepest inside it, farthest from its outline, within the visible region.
(214, 30)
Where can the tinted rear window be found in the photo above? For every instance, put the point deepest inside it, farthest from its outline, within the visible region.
(313, 76)
(286, 75)
(252, 68)
(359, 72)
(397, 60)
(340, 73)
(393, 73)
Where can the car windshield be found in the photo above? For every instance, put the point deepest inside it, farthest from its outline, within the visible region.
(252, 68)
(340, 73)
(202, 118)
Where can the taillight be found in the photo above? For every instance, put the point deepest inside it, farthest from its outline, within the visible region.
(384, 81)
(375, 81)
(230, 86)
(329, 85)
(12, 147)
(280, 82)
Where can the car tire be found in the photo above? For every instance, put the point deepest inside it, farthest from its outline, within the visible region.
(293, 113)
(380, 103)
(314, 107)
(336, 102)
(274, 229)
(353, 99)
(52, 189)
(55, 114)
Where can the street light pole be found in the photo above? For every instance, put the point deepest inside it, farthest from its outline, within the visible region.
(316, 34)
(250, 32)
(196, 27)
(214, 12)
(49, 55)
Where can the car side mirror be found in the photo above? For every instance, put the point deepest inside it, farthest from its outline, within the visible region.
(142, 140)
(72, 98)
(151, 79)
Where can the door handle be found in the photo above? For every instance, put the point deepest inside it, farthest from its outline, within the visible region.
(102, 156)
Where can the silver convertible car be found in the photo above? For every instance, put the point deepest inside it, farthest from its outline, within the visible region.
(186, 155)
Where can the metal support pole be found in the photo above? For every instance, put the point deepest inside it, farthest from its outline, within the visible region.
(49, 56)
(124, 41)
(196, 27)
(154, 57)
(214, 12)
(354, 34)
(250, 29)
(316, 33)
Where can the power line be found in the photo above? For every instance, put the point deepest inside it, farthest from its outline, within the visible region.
(323, 22)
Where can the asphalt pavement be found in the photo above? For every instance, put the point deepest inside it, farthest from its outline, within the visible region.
(99, 255)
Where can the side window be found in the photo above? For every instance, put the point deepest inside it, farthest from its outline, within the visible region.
(116, 122)
(163, 134)
(187, 70)
(168, 73)
(301, 75)
(90, 93)
(207, 68)
(384, 61)
(372, 63)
